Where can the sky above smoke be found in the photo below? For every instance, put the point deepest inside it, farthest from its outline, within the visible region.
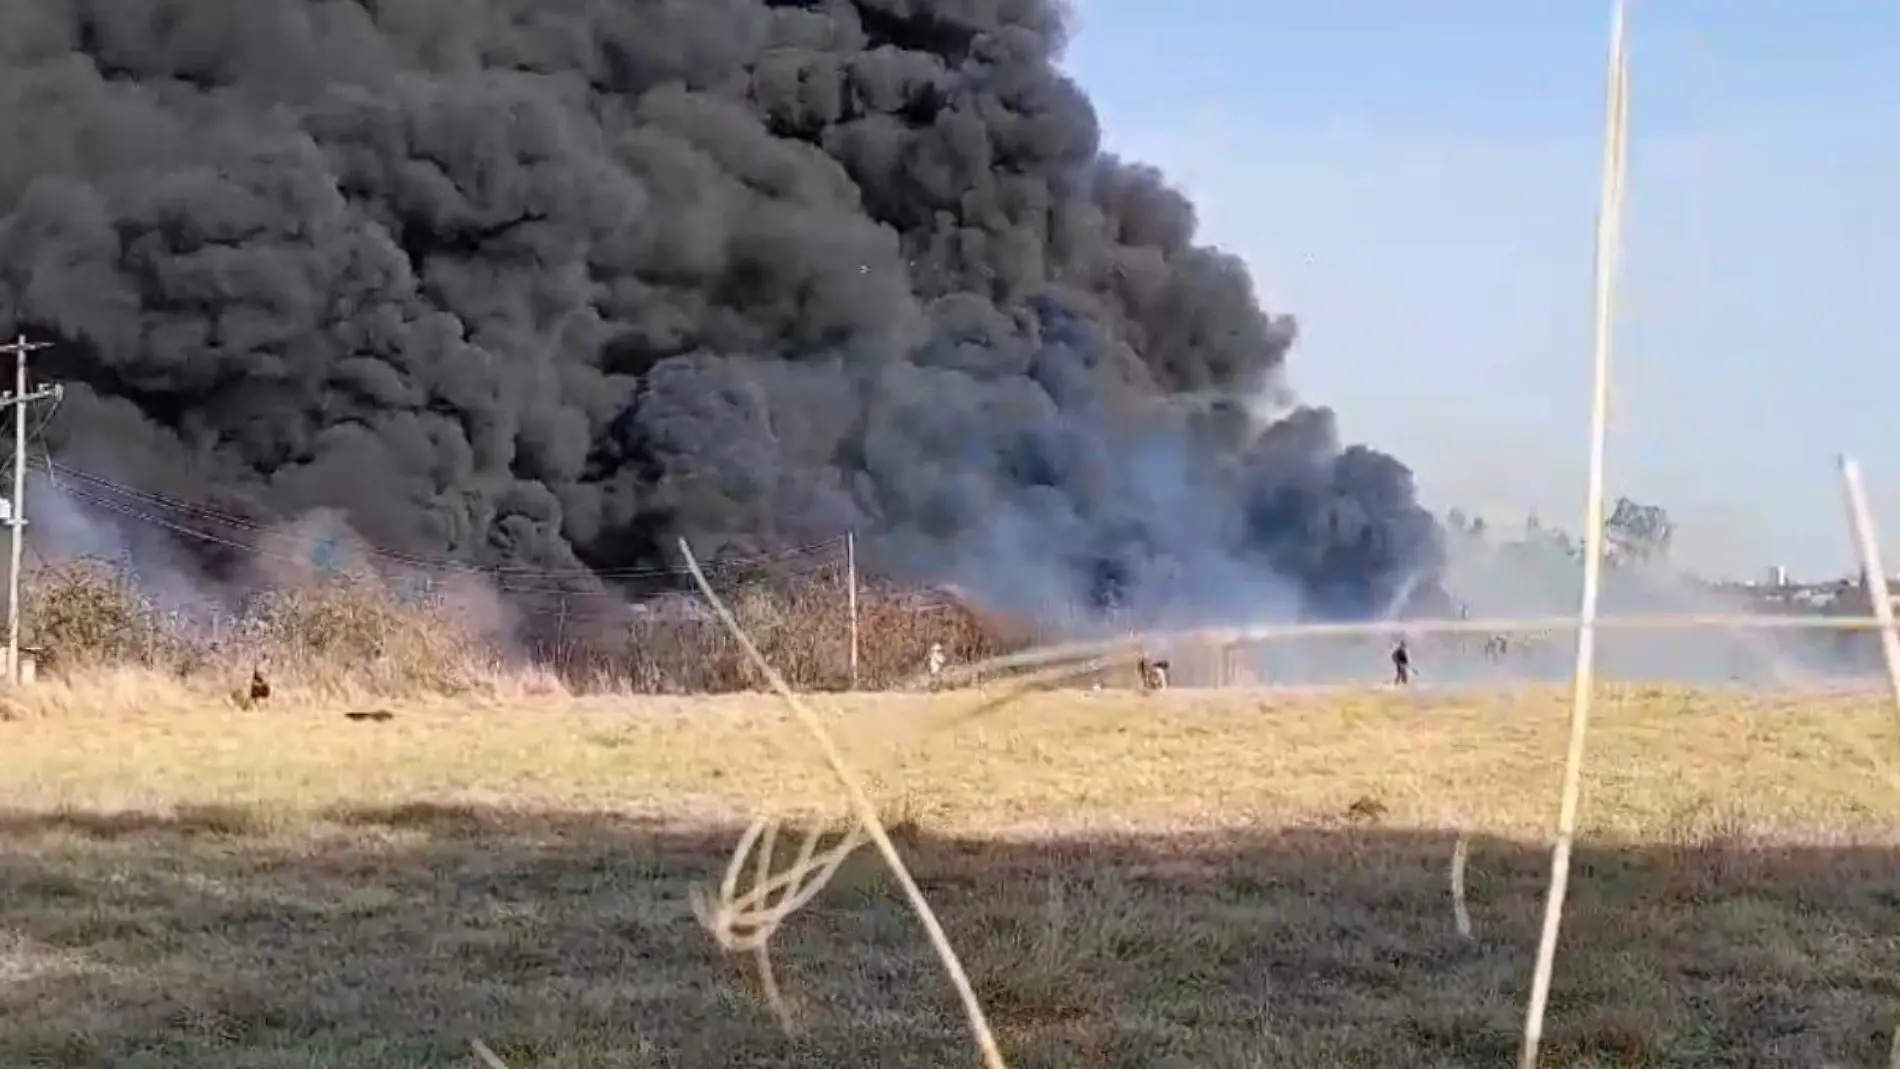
(1445, 174)
(546, 283)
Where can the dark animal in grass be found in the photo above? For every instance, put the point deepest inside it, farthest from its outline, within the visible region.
(1366, 809)
(258, 691)
(374, 716)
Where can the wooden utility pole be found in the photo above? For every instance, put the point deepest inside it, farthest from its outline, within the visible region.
(851, 598)
(18, 400)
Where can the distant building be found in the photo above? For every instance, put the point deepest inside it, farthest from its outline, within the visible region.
(1776, 576)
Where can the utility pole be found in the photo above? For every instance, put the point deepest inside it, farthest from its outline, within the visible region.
(851, 597)
(18, 400)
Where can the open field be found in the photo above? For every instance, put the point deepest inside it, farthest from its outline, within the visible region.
(1195, 879)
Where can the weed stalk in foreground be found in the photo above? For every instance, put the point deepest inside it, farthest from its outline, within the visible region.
(869, 824)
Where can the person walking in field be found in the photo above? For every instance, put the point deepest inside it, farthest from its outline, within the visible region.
(1401, 665)
(1153, 674)
(934, 663)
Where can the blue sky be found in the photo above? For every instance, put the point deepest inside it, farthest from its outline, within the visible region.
(1419, 190)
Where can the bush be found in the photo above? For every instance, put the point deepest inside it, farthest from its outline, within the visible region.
(353, 634)
(676, 645)
(89, 614)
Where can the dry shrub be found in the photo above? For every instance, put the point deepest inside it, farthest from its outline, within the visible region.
(90, 614)
(804, 628)
(899, 626)
(344, 635)
(354, 635)
(805, 633)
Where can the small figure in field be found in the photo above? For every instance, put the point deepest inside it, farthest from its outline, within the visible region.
(1401, 665)
(1154, 674)
(1496, 647)
(248, 697)
(935, 661)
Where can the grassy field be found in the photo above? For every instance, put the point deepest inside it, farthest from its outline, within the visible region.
(1187, 879)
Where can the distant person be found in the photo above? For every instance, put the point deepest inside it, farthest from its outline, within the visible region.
(1154, 674)
(935, 661)
(1401, 665)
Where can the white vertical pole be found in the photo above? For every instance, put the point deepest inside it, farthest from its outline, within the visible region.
(1881, 596)
(17, 521)
(1609, 227)
(851, 598)
(1867, 541)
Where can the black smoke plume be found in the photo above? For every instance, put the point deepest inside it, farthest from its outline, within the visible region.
(545, 283)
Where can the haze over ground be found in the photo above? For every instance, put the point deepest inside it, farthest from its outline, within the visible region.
(1419, 193)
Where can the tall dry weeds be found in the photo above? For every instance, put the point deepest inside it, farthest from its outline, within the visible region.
(356, 636)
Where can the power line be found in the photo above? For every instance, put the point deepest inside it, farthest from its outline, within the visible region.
(98, 492)
(99, 484)
(499, 583)
(39, 429)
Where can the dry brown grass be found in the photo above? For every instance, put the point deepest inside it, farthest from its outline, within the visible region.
(1205, 879)
(356, 636)
(326, 639)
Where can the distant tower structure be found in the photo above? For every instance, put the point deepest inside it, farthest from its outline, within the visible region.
(1776, 577)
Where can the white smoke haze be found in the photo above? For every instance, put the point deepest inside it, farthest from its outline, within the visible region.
(1503, 578)
(63, 529)
(1509, 575)
(73, 521)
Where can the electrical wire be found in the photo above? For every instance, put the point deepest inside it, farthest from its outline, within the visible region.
(206, 513)
(87, 491)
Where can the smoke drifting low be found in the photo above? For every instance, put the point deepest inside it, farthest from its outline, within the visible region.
(546, 283)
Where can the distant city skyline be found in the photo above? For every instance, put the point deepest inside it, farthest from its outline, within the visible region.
(1420, 192)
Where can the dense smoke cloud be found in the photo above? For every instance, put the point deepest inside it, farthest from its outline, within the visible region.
(544, 283)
